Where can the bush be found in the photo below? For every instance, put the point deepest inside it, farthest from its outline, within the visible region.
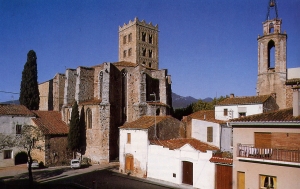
(86, 161)
(41, 164)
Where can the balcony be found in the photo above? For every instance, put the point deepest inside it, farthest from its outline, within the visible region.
(280, 155)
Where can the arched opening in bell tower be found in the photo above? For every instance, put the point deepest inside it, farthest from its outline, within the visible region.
(271, 28)
(271, 54)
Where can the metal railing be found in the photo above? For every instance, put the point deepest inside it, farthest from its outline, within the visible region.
(277, 154)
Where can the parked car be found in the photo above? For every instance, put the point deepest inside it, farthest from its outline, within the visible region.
(34, 165)
(75, 163)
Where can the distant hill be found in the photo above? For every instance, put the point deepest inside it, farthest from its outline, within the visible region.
(11, 102)
(182, 102)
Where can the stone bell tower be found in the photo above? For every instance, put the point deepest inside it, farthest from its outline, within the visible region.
(272, 71)
(138, 43)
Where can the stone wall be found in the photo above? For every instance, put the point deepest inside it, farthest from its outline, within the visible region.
(84, 84)
(58, 91)
(70, 86)
(56, 151)
(46, 94)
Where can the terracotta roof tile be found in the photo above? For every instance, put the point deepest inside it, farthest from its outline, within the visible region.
(14, 109)
(178, 143)
(126, 64)
(294, 81)
(157, 103)
(50, 122)
(205, 115)
(91, 102)
(244, 100)
(221, 160)
(285, 115)
(144, 122)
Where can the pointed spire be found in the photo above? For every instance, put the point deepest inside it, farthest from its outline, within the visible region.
(272, 6)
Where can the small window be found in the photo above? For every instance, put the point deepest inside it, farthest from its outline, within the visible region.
(89, 118)
(209, 134)
(129, 52)
(144, 52)
(150, 53)
(242, 114)
(124, 39)
(18, 129)
(150, 64)
(225, 112)
(267, 182)
(143, 36)
(130, 37)
(150, 38)
(128, 138)
(7, 154)
(124, 53)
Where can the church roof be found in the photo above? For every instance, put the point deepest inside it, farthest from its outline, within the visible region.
(285, 115)
(125, 64)
(145, 122)
(15, 109)
(205, 115)
(50, 122)
(294, 81)
(244, 100)
(178, 143)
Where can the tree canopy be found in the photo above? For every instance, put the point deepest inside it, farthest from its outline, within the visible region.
(29, 91)
(74, 130)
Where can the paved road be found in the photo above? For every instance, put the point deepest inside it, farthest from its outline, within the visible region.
(95, 176)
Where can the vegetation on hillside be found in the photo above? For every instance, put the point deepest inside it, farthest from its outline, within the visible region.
(197, 106)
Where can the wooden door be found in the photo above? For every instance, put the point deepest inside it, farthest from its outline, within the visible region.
(240, 180)
(224, 177)
(129, 163)
(187, 172)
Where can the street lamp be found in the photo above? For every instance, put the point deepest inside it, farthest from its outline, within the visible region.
(154, 113)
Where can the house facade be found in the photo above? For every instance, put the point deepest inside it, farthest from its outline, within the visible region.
(235, 107)
(113, 93)
(12, 118)
(266, 149)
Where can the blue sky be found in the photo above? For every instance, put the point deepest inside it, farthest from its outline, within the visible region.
(208, 46)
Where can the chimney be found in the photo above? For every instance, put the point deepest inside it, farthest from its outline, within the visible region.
(231, 95)
(296, 101)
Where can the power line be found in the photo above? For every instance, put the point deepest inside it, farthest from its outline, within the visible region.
(8, 92)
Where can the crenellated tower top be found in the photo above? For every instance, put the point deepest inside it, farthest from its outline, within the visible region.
(138, 43)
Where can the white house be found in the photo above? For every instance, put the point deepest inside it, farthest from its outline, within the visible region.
(235, 107)
(12, 118)
(182, 161)
(203, 126)
(156, 147)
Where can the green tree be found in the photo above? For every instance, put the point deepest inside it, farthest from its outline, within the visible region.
(74, 130)
(29, 91)
(82, 131)
(31, 138)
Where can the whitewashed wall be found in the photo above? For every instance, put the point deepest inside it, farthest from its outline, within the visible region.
(8, 127)
(165, 164)
(199, 131)
(138, 148)
(234, 113)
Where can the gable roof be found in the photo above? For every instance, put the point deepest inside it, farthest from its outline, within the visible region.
(50, 122)
(144, 122)
(285, 115)
(16, 110)
(178, 143)
(244, 100)
(205, 115)
(125, 64)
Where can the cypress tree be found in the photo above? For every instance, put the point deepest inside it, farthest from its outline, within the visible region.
(29, 91)
(74, 135)
(82, 128)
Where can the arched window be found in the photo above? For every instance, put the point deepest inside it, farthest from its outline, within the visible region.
(144, 52)
(271, 28)
(150, 39)
(143, 36)
(150, 53)
(271, 54)
(89, 118)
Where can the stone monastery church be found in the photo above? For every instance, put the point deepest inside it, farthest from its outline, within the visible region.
(113, 93)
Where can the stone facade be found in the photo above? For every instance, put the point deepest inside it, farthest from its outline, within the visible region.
(115, 93)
